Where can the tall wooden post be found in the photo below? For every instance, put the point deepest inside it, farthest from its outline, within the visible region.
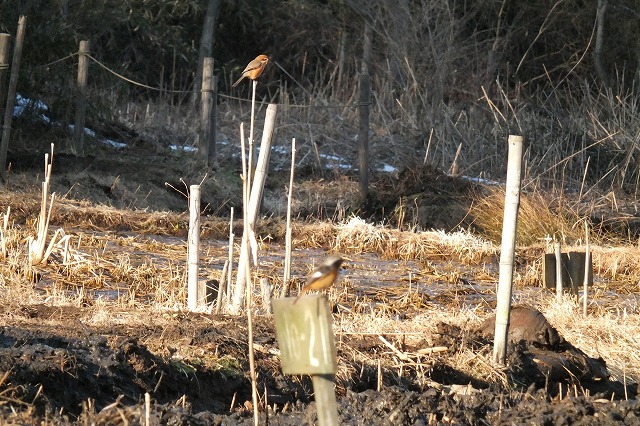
(11, 96)
(81, 100)
(4, 67)
(508, 247)
(208, 101)
(363, 135)
(364, 101)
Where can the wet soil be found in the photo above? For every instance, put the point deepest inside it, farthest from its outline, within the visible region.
(61, 368)
(95, 363)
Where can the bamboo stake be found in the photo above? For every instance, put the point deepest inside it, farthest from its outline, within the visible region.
(222, 288)
(254, 205)
(587, 269)
(287, 256)
(253, 115)
(507, 254)
(559, 284)
(247, 285)
(230, 270)
(4, 234)
(193, 250)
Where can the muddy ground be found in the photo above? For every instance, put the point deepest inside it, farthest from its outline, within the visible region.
(194, 366)
(93, 363)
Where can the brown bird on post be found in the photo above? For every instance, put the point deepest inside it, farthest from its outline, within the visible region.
(253, 69)
(323, 277)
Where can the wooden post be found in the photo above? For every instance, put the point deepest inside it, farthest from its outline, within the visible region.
(507, 254)
(364, 105)
(193, 249)
(4, 67)
(208, 103)
(557, 246)
(363, 135)
(11, 96)
(81, 99)
(307, 346)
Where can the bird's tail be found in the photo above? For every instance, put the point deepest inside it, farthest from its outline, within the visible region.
(302, 292)
(238, 81)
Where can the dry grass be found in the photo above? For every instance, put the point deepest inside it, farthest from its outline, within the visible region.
(149, 271)
(607, 334)
(610, 334)
(541, 216)
(357, 236)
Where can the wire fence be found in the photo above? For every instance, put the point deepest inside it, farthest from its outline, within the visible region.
(172, 91)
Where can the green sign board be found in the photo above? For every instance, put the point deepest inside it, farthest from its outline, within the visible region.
(305, 335)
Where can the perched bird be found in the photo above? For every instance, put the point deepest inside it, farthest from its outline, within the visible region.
(323, 277)
(254, 69)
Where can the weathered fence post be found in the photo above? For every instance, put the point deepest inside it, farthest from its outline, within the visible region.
(81, 100)
(4, 67)
(507, 254)
(364, 101)
(11, 96)
(208, 103)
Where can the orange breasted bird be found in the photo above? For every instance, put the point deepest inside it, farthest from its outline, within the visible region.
(324, 276)
(254, 69)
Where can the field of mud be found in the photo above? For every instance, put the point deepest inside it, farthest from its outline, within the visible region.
(74, 351)
(61, 368)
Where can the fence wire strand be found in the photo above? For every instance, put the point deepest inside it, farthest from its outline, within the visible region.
(235, 98)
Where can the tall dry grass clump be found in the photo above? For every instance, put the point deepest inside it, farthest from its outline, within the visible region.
(358, 236)
(541, 217)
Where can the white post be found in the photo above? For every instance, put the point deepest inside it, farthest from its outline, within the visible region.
(193, 248)
(587, 269)
(262, 167)
(252, 208)
(287, 240)
(507, 254)
(557, 247)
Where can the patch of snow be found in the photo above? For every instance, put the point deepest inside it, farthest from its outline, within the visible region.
(184, 148)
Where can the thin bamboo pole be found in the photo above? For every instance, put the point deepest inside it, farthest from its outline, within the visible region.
(559, 284)
(254, 85)
(587, 270)
(193, 250)
(230, 270)
(507, 255)
(253, 206)
(248, 284)
(287, 256)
